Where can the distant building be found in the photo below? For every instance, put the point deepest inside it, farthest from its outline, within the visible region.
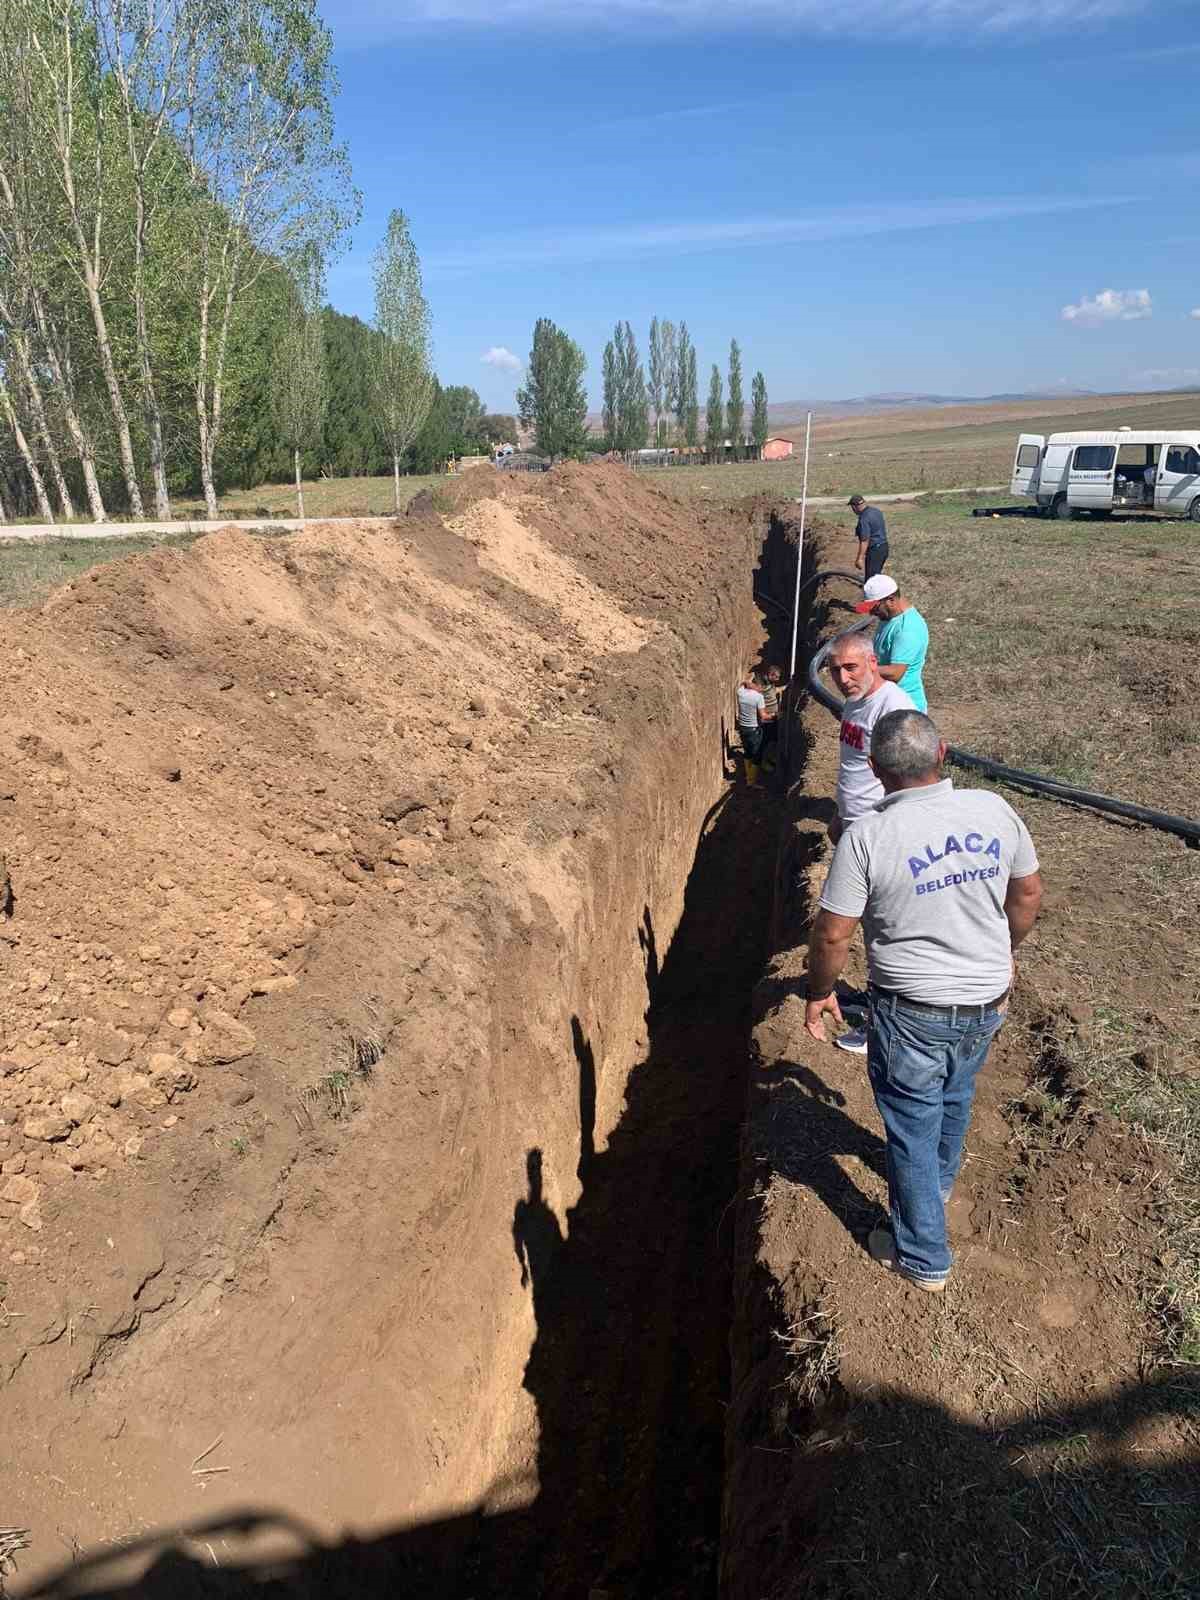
(777, 449)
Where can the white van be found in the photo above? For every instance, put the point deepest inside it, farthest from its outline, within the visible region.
(1125, 470)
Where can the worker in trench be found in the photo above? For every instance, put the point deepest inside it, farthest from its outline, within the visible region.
(751, 704)
(946, 885)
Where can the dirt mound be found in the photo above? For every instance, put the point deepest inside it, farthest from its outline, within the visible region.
(314, 841)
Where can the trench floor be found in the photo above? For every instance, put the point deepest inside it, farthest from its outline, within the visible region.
(629, 1369)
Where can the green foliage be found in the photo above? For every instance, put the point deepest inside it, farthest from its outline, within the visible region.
(735, 405)
(655, 376)
(609, 405)
(554, 401)
(626, 424)
(500, 429)
(760, 426)
(687, 396)
(456, 426)
(714, 422)
(351, 446)
(402, 381)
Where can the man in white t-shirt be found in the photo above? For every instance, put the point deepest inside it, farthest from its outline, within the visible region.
(750, 707)
(869, 696)
(946, 884)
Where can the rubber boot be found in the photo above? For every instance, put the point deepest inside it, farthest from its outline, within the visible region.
(752, 772)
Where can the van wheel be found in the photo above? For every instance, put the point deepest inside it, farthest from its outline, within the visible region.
(1194, 509)
(1062, 510)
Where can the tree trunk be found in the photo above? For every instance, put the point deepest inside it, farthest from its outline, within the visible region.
(299, 488)
(41, 427)
(31, 466)
(396, 477)
(158, 464)
(206, 452)
(81, 441)
(116, 403)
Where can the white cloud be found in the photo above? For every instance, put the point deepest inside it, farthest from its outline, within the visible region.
(498, 356)
(359, 20)
(623, 241)
(1110, 305)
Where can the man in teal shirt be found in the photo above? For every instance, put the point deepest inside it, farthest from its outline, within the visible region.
(901, 640)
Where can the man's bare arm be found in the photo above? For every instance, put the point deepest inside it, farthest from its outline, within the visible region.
(1021, 905)
(827, 951)
(894, 671)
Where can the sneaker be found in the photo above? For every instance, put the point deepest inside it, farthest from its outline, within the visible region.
(883, 1250)
(855, 1041)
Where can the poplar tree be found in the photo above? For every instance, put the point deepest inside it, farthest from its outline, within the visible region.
(632, 418)
(259, 143)
(714, 431)
(300, 396)
(669, 339)
(402, 378)
(609, 411)
(690, 401)
(735, 405)
(655, 383)
(626, 420)
(760, 426)
(554, 401)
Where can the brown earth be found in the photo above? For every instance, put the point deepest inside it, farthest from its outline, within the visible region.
(341, 865)
(1030, 1430)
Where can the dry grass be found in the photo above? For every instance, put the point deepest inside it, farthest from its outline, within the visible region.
(29, 570)
(944, 448)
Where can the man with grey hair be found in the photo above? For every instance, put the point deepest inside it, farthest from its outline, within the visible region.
(946, 885)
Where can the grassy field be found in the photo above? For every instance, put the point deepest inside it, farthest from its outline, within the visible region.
(323, 497)
(947, 448)
(29, 570)
(1073, 649)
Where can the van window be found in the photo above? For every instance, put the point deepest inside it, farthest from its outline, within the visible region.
(1028, 455)
(1093, 457)
(1182, 458)
(1139, 456)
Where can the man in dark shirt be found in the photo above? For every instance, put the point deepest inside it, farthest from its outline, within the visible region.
(871, 533)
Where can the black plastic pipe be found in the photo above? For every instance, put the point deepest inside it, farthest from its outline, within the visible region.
(1182, 827)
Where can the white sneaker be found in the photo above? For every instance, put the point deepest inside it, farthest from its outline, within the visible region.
(855, 1041)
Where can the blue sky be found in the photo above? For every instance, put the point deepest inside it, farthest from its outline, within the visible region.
(952, 196)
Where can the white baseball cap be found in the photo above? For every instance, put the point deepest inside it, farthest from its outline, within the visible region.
(877, 589)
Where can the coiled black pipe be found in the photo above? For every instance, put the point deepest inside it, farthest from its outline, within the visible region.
(1184, 829)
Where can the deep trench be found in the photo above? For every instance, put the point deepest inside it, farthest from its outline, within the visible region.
(629, 1368)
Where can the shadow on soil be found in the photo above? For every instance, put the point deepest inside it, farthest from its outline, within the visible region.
(899, 1498)
(631, 1295)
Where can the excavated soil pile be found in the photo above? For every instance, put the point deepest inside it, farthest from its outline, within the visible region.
(335, 860)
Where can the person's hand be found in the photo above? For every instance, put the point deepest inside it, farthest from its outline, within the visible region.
(815, 1013)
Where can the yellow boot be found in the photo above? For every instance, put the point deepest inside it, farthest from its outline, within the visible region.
(752, 772)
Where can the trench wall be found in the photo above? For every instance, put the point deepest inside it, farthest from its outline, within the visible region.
(434, 788)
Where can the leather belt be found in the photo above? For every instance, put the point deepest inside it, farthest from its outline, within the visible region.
(946, 1007)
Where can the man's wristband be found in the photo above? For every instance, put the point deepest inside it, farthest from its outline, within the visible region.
(814, 998)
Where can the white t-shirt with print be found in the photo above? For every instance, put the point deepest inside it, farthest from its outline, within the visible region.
(858, 789)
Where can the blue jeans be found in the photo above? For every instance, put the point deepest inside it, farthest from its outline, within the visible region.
(923, 1066)
(873, 562)
(752, 740)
